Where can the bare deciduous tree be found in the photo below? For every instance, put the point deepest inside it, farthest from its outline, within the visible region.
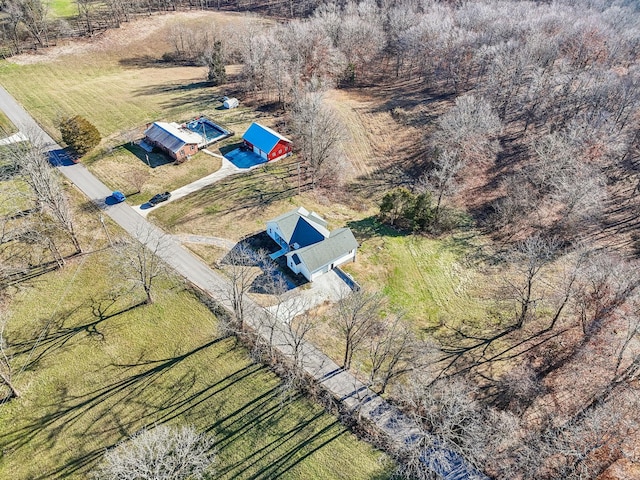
(160, 453)
(6, 361)
(318, 132)
(357, 317)
(295, 333)
(34, 14)
(470, 130)
(440, 180)
(532, 254)
(240, 266)
(139, 260)
(392, 352)
(33, 163)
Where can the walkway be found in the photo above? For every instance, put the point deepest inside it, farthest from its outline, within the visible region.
(342, 384)
(328, 287)
(16, 137)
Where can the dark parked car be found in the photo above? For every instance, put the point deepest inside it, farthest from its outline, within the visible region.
(118, 196)
(159, 198)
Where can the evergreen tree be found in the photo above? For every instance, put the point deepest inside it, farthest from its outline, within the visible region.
(79, 134)
(214, 60)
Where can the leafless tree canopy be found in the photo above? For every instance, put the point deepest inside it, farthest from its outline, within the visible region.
(139, 262)
(160, 453)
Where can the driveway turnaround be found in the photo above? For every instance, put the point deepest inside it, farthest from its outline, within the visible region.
(353, 394)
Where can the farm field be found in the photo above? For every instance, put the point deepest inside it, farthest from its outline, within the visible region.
(119, 81)
(89, 379)
(121, 85)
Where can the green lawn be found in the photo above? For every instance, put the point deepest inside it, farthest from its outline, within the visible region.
(63, 8)
(123, 85)
(111, 96)
(432, 280)
(91, 379)
(6, 126)
(119, 169)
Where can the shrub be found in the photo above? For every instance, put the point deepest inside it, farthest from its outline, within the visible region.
(79, 134)
(401, 208)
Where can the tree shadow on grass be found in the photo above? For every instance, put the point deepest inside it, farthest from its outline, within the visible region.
(371, 227)
(68, 409)
(55, 335)
(152, 160)
(286, 450)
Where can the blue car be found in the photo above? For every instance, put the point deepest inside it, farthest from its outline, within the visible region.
(118, 196)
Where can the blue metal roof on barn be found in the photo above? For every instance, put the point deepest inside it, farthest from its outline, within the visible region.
(263, 137)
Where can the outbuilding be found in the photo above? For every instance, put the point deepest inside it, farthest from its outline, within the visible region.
(310, 248)
(177, 142)
(265, 142)
(230, 102)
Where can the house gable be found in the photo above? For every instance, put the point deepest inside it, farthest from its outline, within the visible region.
(312, 248)
(340, 244)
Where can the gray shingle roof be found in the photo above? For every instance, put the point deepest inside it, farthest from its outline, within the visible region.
(288, 223)
(339, 243)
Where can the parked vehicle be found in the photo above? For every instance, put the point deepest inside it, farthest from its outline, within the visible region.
(118, 196)
(159, 198)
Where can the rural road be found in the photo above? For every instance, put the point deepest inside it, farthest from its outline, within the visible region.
(343, 385)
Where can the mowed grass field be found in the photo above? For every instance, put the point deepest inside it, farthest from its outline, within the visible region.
(432, 280)
(6, 126)
(63, 8)
(117, 80)
(95, 370)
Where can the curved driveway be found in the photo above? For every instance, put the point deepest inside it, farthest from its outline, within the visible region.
(343, 385)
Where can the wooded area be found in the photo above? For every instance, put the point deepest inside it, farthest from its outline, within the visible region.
(538, 143)
(530, 114)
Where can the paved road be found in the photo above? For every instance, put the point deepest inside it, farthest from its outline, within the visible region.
(344, 386)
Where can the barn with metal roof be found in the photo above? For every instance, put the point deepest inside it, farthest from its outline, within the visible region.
(266, 142)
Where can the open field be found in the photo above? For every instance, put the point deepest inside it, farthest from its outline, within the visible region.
(119, 83)
(432, 281)
(91, 378)
(241, 205)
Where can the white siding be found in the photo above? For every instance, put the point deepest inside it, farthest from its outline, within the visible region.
(345, 258)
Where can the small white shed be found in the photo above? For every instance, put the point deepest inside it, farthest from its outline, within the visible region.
(231, 103)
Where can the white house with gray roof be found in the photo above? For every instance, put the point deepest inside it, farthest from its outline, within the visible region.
(311, 249)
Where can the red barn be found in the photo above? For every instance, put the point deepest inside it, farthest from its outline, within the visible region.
(267, 143)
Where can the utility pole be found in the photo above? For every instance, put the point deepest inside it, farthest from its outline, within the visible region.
(298, 178)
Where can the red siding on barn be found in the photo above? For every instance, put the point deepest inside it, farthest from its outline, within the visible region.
(281, 148)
